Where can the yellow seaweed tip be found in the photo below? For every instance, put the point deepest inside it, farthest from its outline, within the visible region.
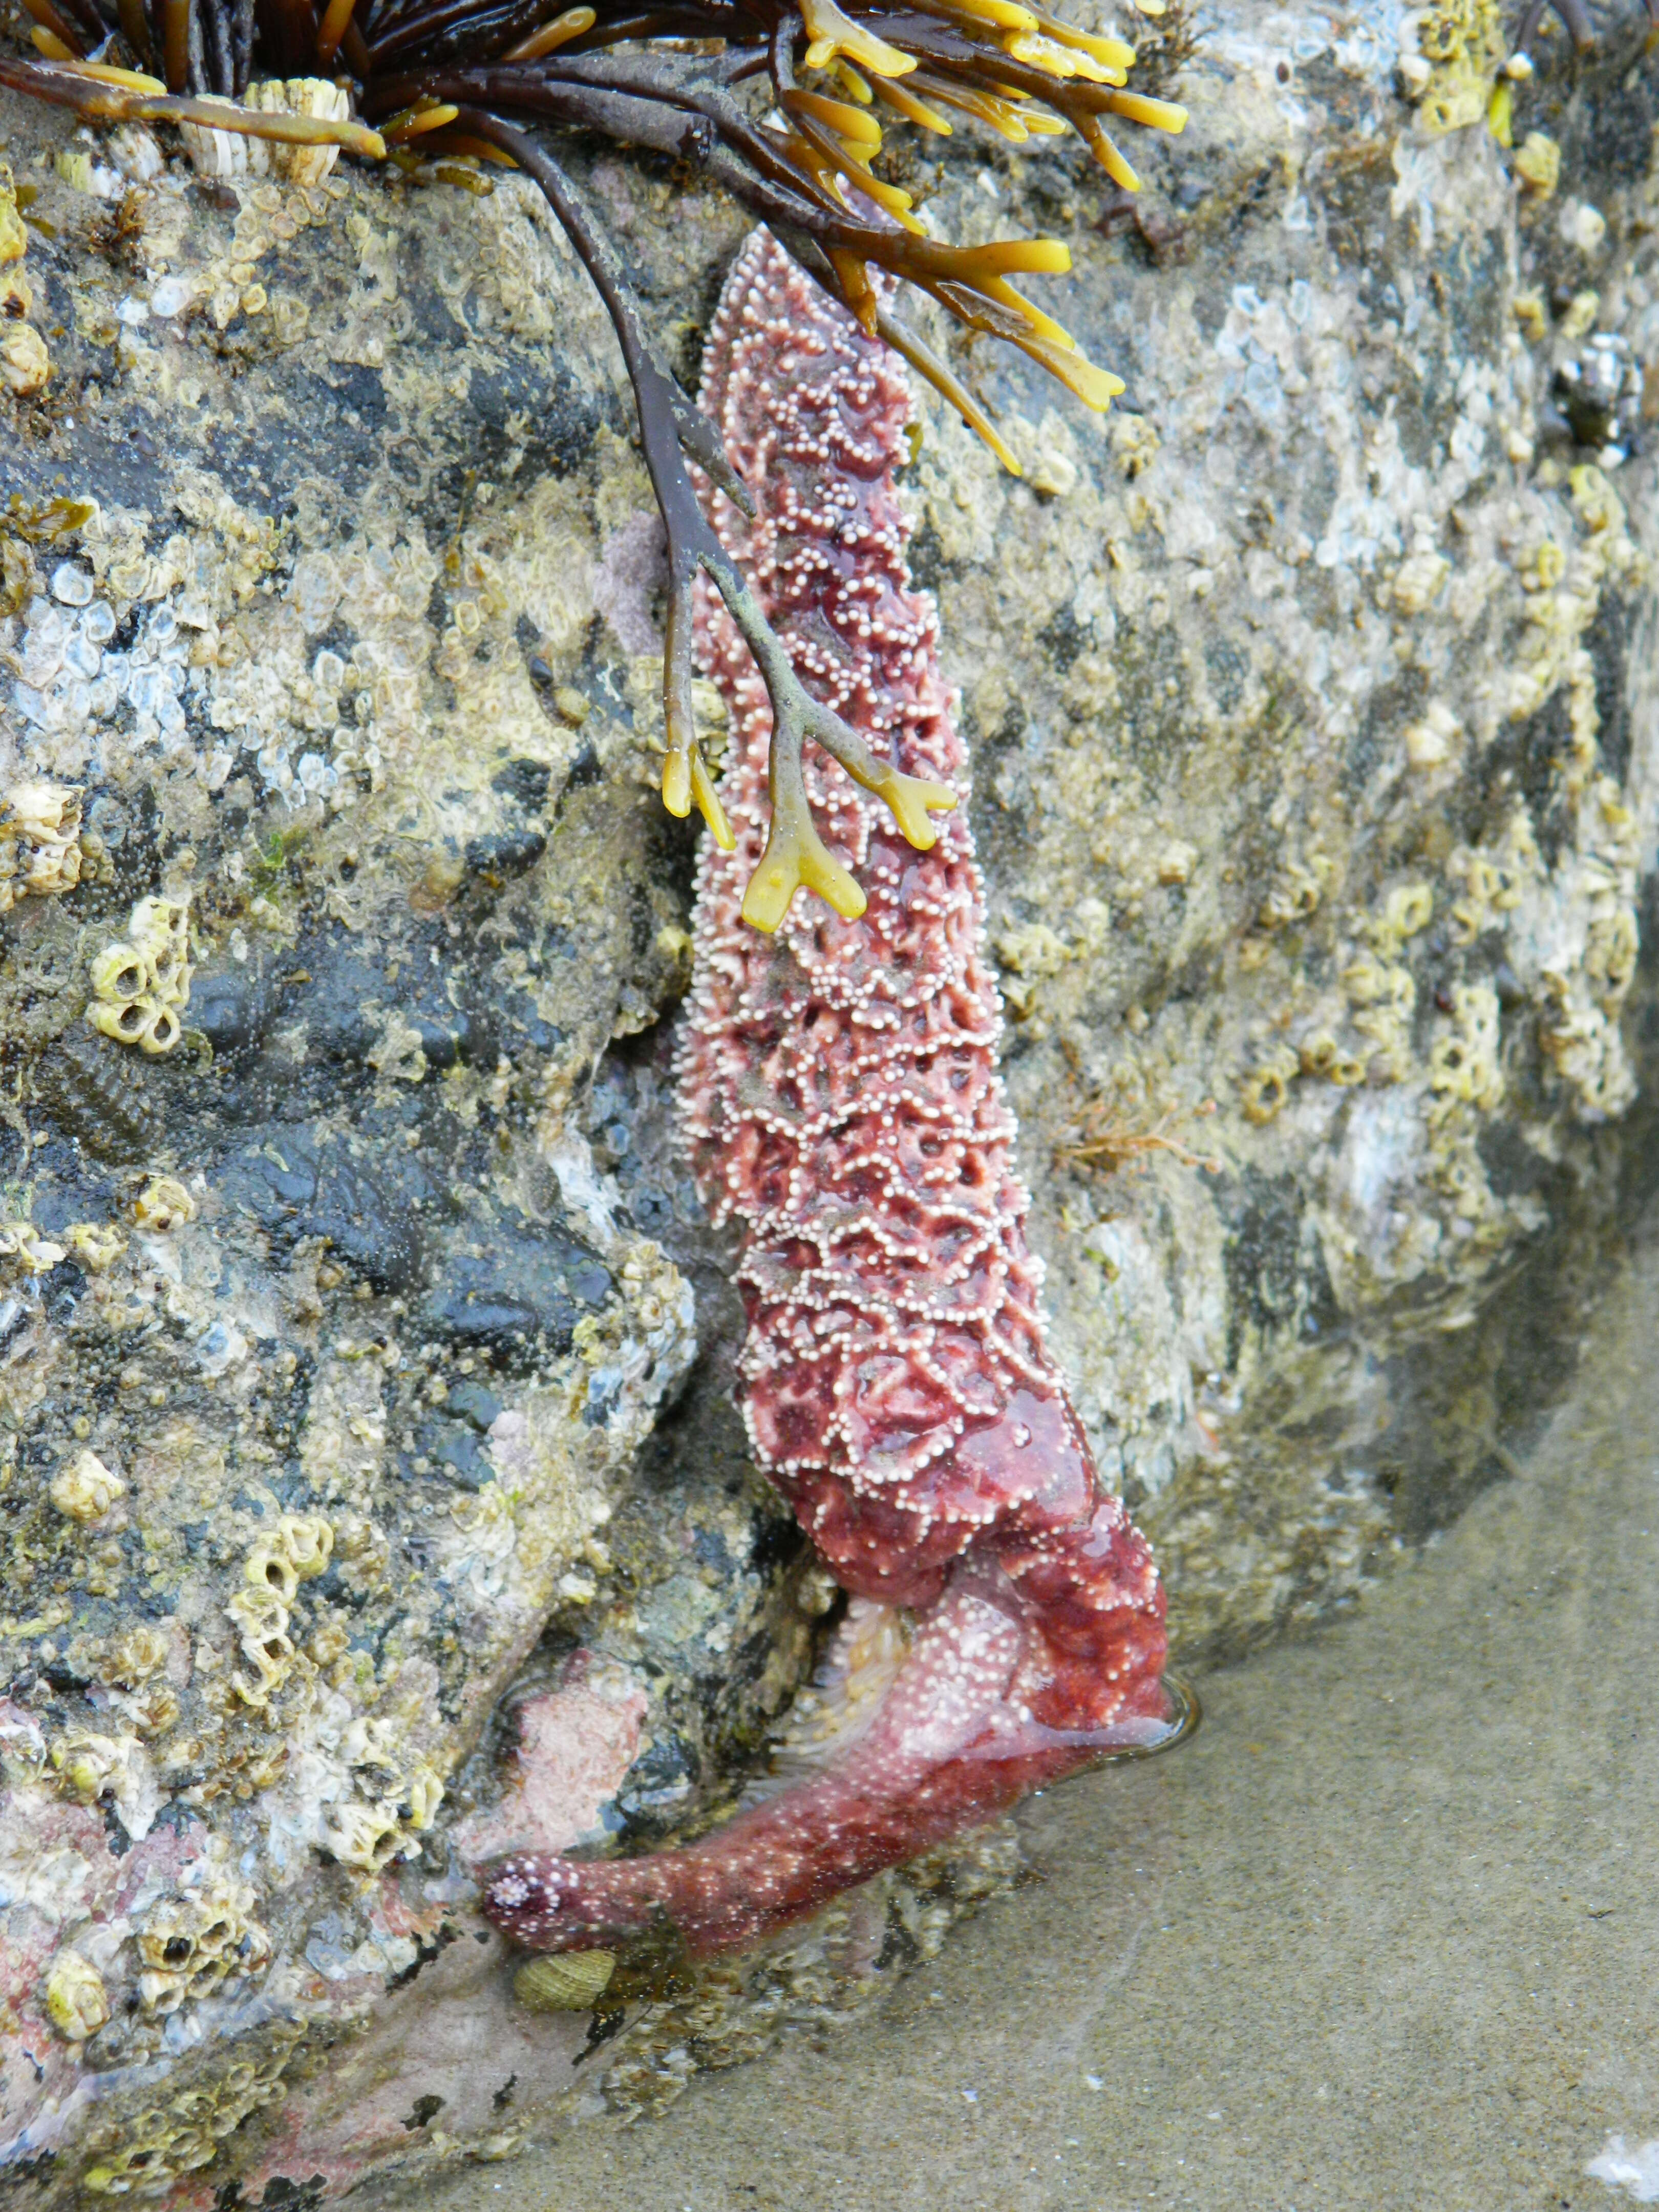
(910, 799)
(414, 122)
(106, 73)
(686, 783)
(1001, 15)
(1111, 54)
(849, 123)
(829, 33)
(551, 36)
(709, 804)
(676, 784)
(794, 856)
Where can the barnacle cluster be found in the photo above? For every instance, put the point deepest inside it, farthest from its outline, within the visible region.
(401, 1794)
(141, 986)
(194, 1940)
(1494, 878)
(72, 676)
(783, 106)
(145, 2153)
(1451, 61)
(25, 365)
(217, 152)
(1382, 995)
(300, 1547)
(1365, 1036)
(39, 842)
(1459, 62)
(1463, 1064)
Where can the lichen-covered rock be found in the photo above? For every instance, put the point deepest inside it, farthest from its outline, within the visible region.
(355, 1521)
(320, 1397)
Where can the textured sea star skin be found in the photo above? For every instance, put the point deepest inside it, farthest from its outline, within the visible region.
(839, 1087)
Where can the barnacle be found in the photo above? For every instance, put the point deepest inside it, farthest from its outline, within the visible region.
(24, 1251)
(88, 1767)
(96, 1248)
(138, 1653)
(785, 108)
(262, 1619)
(141, 986)
(86, 1489)
(1409, 909)
(39, 842)
(300, 1547)
(77, 2004)
(194, 1941)
(24, 363)
(162, 1204)
(1264, 1088)
(402, 1795)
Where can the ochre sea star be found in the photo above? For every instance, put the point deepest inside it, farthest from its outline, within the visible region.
(839, 1087)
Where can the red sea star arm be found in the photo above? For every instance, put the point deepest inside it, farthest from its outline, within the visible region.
(839, 1088)
(949, 1748)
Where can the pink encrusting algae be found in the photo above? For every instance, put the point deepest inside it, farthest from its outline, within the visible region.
(839, 1088)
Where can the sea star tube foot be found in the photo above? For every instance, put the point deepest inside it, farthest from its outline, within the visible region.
(839, 1086)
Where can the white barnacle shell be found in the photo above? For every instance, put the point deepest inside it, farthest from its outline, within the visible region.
(234, 154)
(140, 985)
(77, 2004)
(39, 842)
(163, 1204)
(86, 1489)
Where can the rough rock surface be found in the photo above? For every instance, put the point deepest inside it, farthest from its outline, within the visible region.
(1310, 701)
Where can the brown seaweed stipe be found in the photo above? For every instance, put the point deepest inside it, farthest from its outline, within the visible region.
(1575, 16)
(461, 77)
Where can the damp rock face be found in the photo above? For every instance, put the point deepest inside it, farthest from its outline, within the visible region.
(370, 1497)
(1316, 776)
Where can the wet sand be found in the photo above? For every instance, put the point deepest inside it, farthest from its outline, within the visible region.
(1385, 1935)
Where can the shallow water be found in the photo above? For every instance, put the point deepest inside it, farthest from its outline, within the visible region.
(1383, 1936)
